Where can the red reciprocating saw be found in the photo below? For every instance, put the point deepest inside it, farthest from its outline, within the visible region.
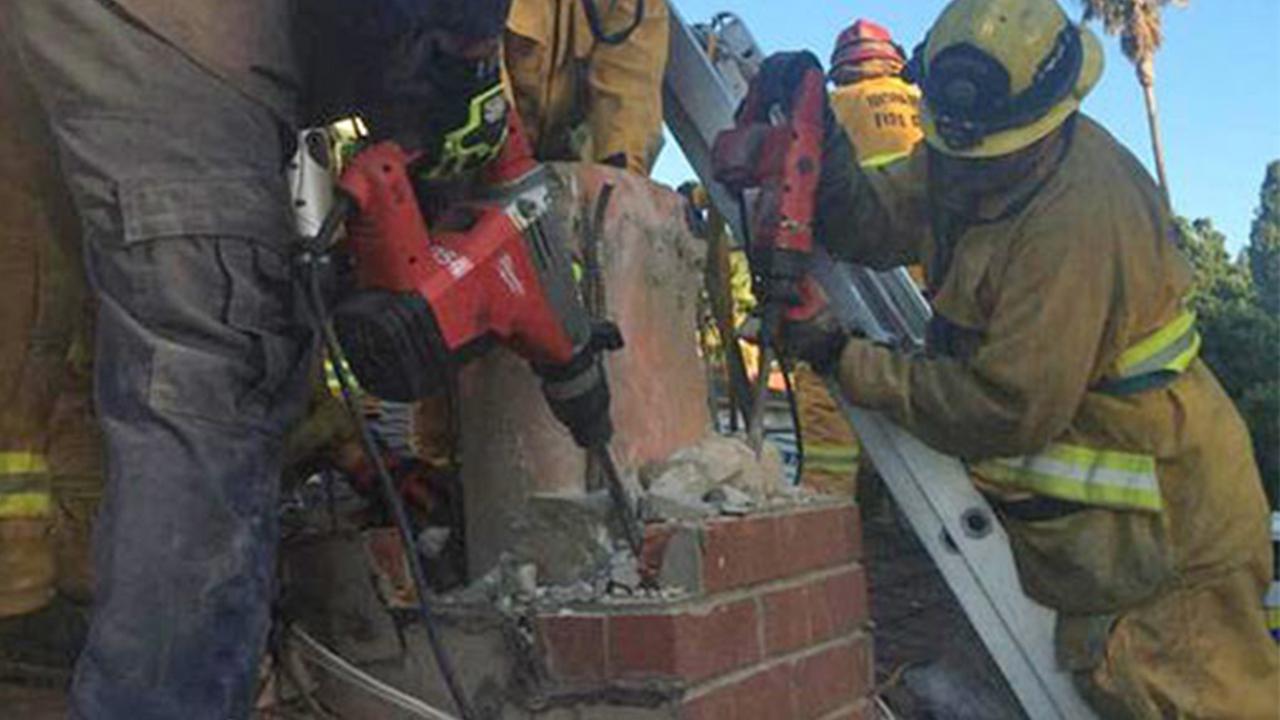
(775, 148)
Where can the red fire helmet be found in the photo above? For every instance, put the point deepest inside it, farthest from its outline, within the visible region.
(862, 41)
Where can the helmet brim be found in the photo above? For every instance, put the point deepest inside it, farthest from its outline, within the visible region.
(1015, 139)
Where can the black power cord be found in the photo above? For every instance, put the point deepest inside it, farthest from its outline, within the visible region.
(784, 363)
(314, 253)
(794, 408)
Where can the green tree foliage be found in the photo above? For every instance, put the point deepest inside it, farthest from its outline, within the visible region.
(1264, 243)
(1240, 326)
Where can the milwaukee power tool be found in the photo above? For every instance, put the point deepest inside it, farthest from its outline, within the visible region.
(775, 150)
(428, 302)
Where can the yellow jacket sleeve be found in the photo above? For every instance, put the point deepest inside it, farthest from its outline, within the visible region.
(1050, 291)
(625, 86)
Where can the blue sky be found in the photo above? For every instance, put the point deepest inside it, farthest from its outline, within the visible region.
(1218, 86)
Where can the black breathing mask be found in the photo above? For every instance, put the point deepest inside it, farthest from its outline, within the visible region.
(452, 109)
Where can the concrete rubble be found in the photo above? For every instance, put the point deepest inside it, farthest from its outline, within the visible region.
(718, 475)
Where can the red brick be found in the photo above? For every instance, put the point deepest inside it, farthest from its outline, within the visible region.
(818, 539)
(691, 645)
(743, 552)
(765, 695)
(831, 679)
(574, 646)
(643, 645)
(814, 613)
(838, 605)
(724, 639)
(862, 711)
(787, 619)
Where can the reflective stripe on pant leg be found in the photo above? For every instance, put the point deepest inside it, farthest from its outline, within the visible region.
(829, 457)
(26, 549)
(24, 486)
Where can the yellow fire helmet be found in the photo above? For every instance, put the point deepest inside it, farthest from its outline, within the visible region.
(998, 75)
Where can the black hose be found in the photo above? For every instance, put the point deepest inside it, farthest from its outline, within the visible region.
(327, 237)
(390, 494)
(786, 366)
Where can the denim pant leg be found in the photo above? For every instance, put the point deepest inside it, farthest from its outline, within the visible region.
(202, 353)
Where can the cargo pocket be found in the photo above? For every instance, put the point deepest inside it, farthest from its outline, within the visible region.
(1093, 561)
(265, 305)
(210, 287)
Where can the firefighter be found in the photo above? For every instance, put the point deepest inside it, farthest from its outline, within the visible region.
(1062, 365)
(880, 113)
(877, 108)
(174, 123)
(49, 474)
(185, 231)
(587, 78)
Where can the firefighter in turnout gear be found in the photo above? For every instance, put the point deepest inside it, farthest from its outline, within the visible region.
(50, 471)
(1062, 365)
(587, 78)
(877, 108)
(880, 113)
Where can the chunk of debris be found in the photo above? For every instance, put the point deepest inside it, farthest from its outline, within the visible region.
(718, 475)
(729, 500)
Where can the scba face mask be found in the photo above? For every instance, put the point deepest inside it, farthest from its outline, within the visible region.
(442, 103)
(467, 124)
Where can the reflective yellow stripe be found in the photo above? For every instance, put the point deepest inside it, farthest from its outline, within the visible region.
(877, 161)
(25, 505)
(26, 494)
(465, 144)
(1106, 478)
(1169, 349)
(331, 377)
(830, 457)
(832, 468)
(22, 463)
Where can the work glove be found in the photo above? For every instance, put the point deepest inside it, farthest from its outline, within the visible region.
(745, 154)
(819, 341)
(578, 392)
(776, 84)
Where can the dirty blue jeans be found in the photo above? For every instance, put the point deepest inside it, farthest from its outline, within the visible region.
(201, 358)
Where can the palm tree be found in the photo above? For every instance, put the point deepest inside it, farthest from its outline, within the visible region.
(1137, 22)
